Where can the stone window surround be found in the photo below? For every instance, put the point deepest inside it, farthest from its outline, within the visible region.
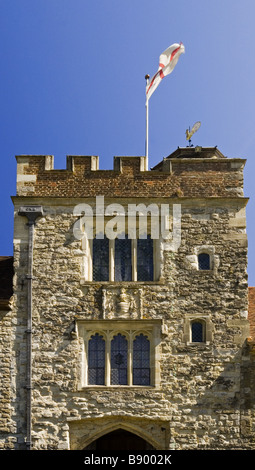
(207, 249)
(192, 260)
(87, 268)
(207, 329)
(108, 329)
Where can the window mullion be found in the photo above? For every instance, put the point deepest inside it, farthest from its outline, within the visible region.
(156, 258)
(108, 361)
(89, 260)
(134, 259)
(86, 369)
(111, 260)
(130, 360)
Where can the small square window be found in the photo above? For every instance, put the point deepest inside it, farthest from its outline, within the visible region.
(204, 261)
(197, 332)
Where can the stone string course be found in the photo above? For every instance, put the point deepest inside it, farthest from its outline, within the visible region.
(205, 396)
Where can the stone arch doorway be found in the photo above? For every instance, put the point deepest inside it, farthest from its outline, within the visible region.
(120, 439)
(147, 433)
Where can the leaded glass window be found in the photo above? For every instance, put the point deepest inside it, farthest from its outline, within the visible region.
(101, 259)
(141, 360)
(203, 261)
(120, 353)
(145, 259)
(123, 259)
(96, 362)
(119, 350)
(197, 332)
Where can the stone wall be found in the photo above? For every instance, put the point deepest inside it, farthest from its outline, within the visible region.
(7, 426)
(196, 401)
(199, 385)
(7, 355)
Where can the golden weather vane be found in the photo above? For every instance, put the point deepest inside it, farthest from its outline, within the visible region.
(189, 133)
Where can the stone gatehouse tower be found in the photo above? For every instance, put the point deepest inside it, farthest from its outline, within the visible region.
(128, 343)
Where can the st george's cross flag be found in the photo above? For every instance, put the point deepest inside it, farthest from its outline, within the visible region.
(167, 61)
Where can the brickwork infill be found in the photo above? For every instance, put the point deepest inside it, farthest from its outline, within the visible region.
(196, 177)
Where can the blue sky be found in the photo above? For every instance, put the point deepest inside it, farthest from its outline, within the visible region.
(72, 82)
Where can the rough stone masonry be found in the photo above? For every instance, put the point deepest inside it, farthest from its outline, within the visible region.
(201, 394)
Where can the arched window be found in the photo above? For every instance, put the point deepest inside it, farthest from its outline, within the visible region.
(119, 350)
(96, 362)
(141, 360)
(197, 331)
(203, 261)
(116, 354)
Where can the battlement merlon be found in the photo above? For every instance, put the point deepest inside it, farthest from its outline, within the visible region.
(34, 164)
(186, 171)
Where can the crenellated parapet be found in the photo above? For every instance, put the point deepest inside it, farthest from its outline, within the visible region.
(187, 172)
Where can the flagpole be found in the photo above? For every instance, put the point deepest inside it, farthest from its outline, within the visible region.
(147, 124)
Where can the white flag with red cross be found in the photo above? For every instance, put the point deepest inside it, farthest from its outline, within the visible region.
(167, 62)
